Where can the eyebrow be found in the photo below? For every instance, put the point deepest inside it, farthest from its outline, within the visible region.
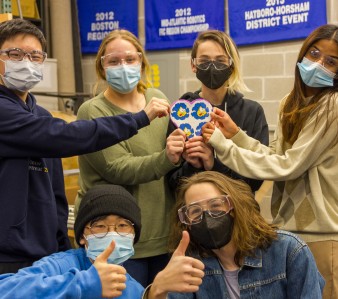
(334, 57)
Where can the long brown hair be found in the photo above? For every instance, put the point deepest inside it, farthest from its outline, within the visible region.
(295, 110)
(250, 231)
(128, 36)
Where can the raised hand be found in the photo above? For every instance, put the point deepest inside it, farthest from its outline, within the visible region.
(175, 145)
(224, 122)
(182, 274)
(207, 130)
(157, 108)
(113, 277)
(198, 153)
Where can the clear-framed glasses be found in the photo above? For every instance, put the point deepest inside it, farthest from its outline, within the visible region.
(116, 59)
(220, 63)
(215, 207)
(18, 54)
(122, 227)
(331, 63)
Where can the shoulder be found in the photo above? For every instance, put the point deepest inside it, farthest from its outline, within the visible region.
(91, 108)
(240, 102)
(154, 92)
(289, 244)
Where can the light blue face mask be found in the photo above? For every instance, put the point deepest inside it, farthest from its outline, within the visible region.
(123, 247)
(22, 75)
(123, 78)
(314, 74)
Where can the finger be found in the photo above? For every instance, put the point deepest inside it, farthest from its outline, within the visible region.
(103, 257)
(182, 247)
(218, 111)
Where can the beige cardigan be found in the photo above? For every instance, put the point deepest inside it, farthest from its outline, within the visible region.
(305, 175)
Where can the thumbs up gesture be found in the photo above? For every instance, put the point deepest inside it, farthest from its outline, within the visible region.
(113, 277)
(182, 274)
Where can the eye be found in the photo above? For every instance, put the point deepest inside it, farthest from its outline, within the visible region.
(331, 61)
(99, 226)
(194, 211)
(315, 54)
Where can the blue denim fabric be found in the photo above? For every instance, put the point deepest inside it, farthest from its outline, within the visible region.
(286, 269)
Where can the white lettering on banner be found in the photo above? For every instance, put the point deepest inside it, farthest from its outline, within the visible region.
(104, 23)
(96, 36)
(183, 23)
(101, 26)
(279, 15)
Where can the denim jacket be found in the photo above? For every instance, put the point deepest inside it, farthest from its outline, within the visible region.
(286, 269)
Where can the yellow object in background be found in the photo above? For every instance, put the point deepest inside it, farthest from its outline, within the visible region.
(28, 7)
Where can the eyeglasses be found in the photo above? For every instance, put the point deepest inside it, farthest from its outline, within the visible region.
(18, 54)
(220, 63)
(116, 59)
(215, 207)
(122, 227)
(331, 63)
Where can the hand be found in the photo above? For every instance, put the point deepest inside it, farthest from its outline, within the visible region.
(157, 108)
(207, 130)
(197, 149)
(113, 277)
(224, 122)
(182, 274)
(195, 162)
(175, 145)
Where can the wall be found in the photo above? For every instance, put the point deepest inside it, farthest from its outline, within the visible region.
(267, 69)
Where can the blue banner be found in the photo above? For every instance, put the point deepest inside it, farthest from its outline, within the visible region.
(99, 17)
(261, 21)
(173, 24)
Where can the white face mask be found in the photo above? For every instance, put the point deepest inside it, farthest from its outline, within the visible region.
(22, 75)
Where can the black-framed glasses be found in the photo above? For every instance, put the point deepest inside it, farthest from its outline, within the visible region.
(331, 63)
(118, 58)
(220, 63)
(215, 207)
(18, 54)
(122, 227)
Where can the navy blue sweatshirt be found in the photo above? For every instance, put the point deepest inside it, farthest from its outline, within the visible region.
(248, 115)
(34, 209)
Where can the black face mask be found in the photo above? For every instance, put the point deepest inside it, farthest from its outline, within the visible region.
(213, 78)
(212, 233)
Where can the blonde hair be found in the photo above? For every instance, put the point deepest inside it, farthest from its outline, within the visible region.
(128, 36)
(235, 82)
(250, 230)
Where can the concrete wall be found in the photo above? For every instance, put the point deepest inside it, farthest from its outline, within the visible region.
(267, 68)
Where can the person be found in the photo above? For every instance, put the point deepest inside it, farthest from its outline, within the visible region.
(302, 158)
(33, 217)
(140, 163)
(106, 229)
(243, 255)
(215, 60)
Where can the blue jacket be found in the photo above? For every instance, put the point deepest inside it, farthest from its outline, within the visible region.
(67, 274)
(34, 210)
(286, 269)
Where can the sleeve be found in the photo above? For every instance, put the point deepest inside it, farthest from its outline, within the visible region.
(307, 283)
(23, 134)
(45, 280)
(259, 162)
(118, 165)
(61, 206)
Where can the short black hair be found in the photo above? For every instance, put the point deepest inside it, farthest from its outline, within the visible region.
(14, 27)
